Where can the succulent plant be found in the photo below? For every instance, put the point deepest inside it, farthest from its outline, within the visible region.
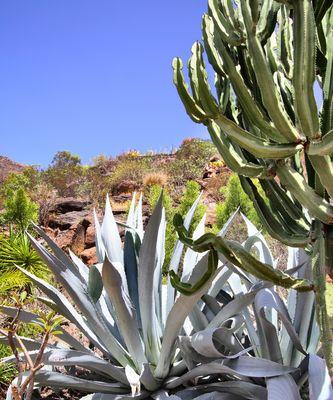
(268, 58)
(232, 338)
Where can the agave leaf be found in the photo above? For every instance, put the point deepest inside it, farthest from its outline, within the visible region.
(243, 366)
(131, 270)
(95, 284)
(104, 396)
(100, 249)
(160, 254)
(110, 235)
(109, 345)
(114, 286)
(209, 341)
(81, 266)
(131, 212)
(60, 254)
(282, 387)
(58, 380)
(267, 298)
(175, 320)
(320, 386)
(66, 357)
(147, 264)
(237, 389)
(138, 218)
(233, 308)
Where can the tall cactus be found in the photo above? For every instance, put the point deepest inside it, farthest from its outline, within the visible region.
(265, 119)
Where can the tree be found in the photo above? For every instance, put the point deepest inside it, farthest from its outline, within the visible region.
(265, 121)
(65, 173)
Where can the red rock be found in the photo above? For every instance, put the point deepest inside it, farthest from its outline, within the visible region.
(89, 256)
(90, 236)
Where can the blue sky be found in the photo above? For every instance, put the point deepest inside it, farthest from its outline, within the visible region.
(93, 77)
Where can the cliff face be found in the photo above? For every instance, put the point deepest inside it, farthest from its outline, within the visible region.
(7, 166)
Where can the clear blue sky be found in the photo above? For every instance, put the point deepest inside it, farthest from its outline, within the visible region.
(93, 76)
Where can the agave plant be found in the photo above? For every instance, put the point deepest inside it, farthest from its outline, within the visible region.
(149, 340)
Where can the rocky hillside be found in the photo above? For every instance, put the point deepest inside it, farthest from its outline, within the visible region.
(7, 166)
(66, 209)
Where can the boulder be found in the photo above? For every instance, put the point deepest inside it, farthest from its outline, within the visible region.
(127, 186)
(66, 204)
(89, 256)
(70, 219)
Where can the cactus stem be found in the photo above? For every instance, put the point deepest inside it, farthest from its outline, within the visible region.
(319, 274)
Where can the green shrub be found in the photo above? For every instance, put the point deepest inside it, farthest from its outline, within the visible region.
(191, 192)
(7, 371)
(235, 197)
(190, 161)
(19, 209)
(17, 250)
(130, 168)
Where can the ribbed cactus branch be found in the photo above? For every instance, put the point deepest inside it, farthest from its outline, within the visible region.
(264, 118)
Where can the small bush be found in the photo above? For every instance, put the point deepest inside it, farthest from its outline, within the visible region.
(19, 209)
(235, 197)
(17, 250)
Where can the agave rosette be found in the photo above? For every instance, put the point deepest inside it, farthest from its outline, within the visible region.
(233, 338)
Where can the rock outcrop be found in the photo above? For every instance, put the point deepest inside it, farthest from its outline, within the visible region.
(7, 166)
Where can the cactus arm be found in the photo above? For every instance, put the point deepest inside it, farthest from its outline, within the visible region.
(304, 68)
(199, 81)
(195, 112)
(186, 288)
(317, 206)
(267, 20)
(269, 94)
(235, 254)
(318, 265)
(284, 198)
(290, 222)
(225, 28)
(327, 111)
(324, 169)
(285, 42)
(322, 147)
(254, 145)
(253, 113)
(286, 95)
(269, 220)
(232, 158)
(322, 6)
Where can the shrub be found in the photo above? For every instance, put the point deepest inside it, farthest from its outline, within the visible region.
(191, 158)
(235, 197)
(17, 250)
(19, 209)
(130, 169)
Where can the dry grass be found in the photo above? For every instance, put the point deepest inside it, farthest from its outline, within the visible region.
(155, 178)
